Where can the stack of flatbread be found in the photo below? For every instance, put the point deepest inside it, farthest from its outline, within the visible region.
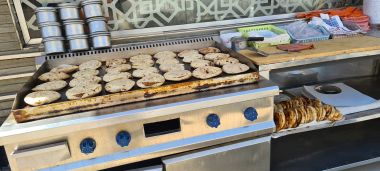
(301, 110)
(117, 76)
(54, 81)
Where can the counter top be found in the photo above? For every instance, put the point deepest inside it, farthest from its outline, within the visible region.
(333, 49)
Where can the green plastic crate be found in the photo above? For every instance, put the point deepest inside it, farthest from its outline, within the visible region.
(281, 38)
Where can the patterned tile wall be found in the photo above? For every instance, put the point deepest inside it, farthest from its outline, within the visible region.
(135, 14)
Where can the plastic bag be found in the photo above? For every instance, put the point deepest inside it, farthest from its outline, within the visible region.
(302, 30)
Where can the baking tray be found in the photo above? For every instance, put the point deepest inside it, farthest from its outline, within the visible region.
(23, 113)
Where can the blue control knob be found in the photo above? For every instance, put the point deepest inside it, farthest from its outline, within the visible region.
(213, 120)
(250, 114)
(123, 138)
(87, 145)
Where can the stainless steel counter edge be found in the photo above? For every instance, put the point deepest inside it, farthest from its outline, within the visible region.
(168, 148)
(349, 119)
(14, 133)
(293, 63)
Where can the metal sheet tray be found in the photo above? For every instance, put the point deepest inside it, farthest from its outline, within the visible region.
(23, 113)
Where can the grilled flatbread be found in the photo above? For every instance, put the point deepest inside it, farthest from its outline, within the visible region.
(139, 73)
(119, 85)
(225, 61)
(92, 64)
(84, 81)
(66, 68)
(190, 58)
(81, 92)
(200, 63)
(209, 50)
(167, 61)
(213, 56)
(140, 58)
(114, 76)
(115, 62)
(235, 68)
(206, 72)
(177, 75)
(165, 54)
(86, 73)
(280, 120)
(151, 80)
(187, 52)
(119, 68)
(171, 67)
(41, 97)
(51, 86)
(142, 64)
(53, 76)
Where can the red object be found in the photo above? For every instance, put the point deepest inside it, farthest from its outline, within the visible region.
(346, 12)
(295, 47)
(352, 14)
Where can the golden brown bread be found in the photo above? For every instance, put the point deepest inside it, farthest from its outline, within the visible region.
(291, 117)
(280, 120)
(300, 110)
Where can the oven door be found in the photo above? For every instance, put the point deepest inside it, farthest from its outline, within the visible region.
(243, 156)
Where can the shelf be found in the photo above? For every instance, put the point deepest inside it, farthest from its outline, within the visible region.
(349, 119)
(366, 85)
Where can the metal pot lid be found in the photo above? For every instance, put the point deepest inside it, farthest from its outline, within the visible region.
(102, 33)
(77, 37)
(96, 19)
(45, 24)
(44, 9)
(53, 39)
(68, 5)
(88, 2)
(66, 22)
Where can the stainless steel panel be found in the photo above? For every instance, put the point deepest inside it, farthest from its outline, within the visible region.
(244, 156)
(152, 168)
(324, 72)
(173, 147)
(192, 124)
(37, 157)
(367, 165)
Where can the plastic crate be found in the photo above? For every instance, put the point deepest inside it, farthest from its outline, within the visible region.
(325, 36)
(281, 38)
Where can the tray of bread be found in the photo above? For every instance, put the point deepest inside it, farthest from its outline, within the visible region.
(302, 111)
(137, 73)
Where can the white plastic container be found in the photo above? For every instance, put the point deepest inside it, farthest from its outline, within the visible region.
(372, 9)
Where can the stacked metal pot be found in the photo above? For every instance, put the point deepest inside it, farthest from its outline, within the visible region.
(73, 26)
(51, 30)
(100, 37)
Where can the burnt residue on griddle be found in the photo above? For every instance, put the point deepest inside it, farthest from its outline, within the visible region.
(148, 94)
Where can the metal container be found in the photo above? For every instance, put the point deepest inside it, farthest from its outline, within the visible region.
(92, 8)
(68, 11)
(97, 24)
(78, 43)
(46, 14)
(101, 40)
(74, 27)
(50, 29)
(54, 45)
